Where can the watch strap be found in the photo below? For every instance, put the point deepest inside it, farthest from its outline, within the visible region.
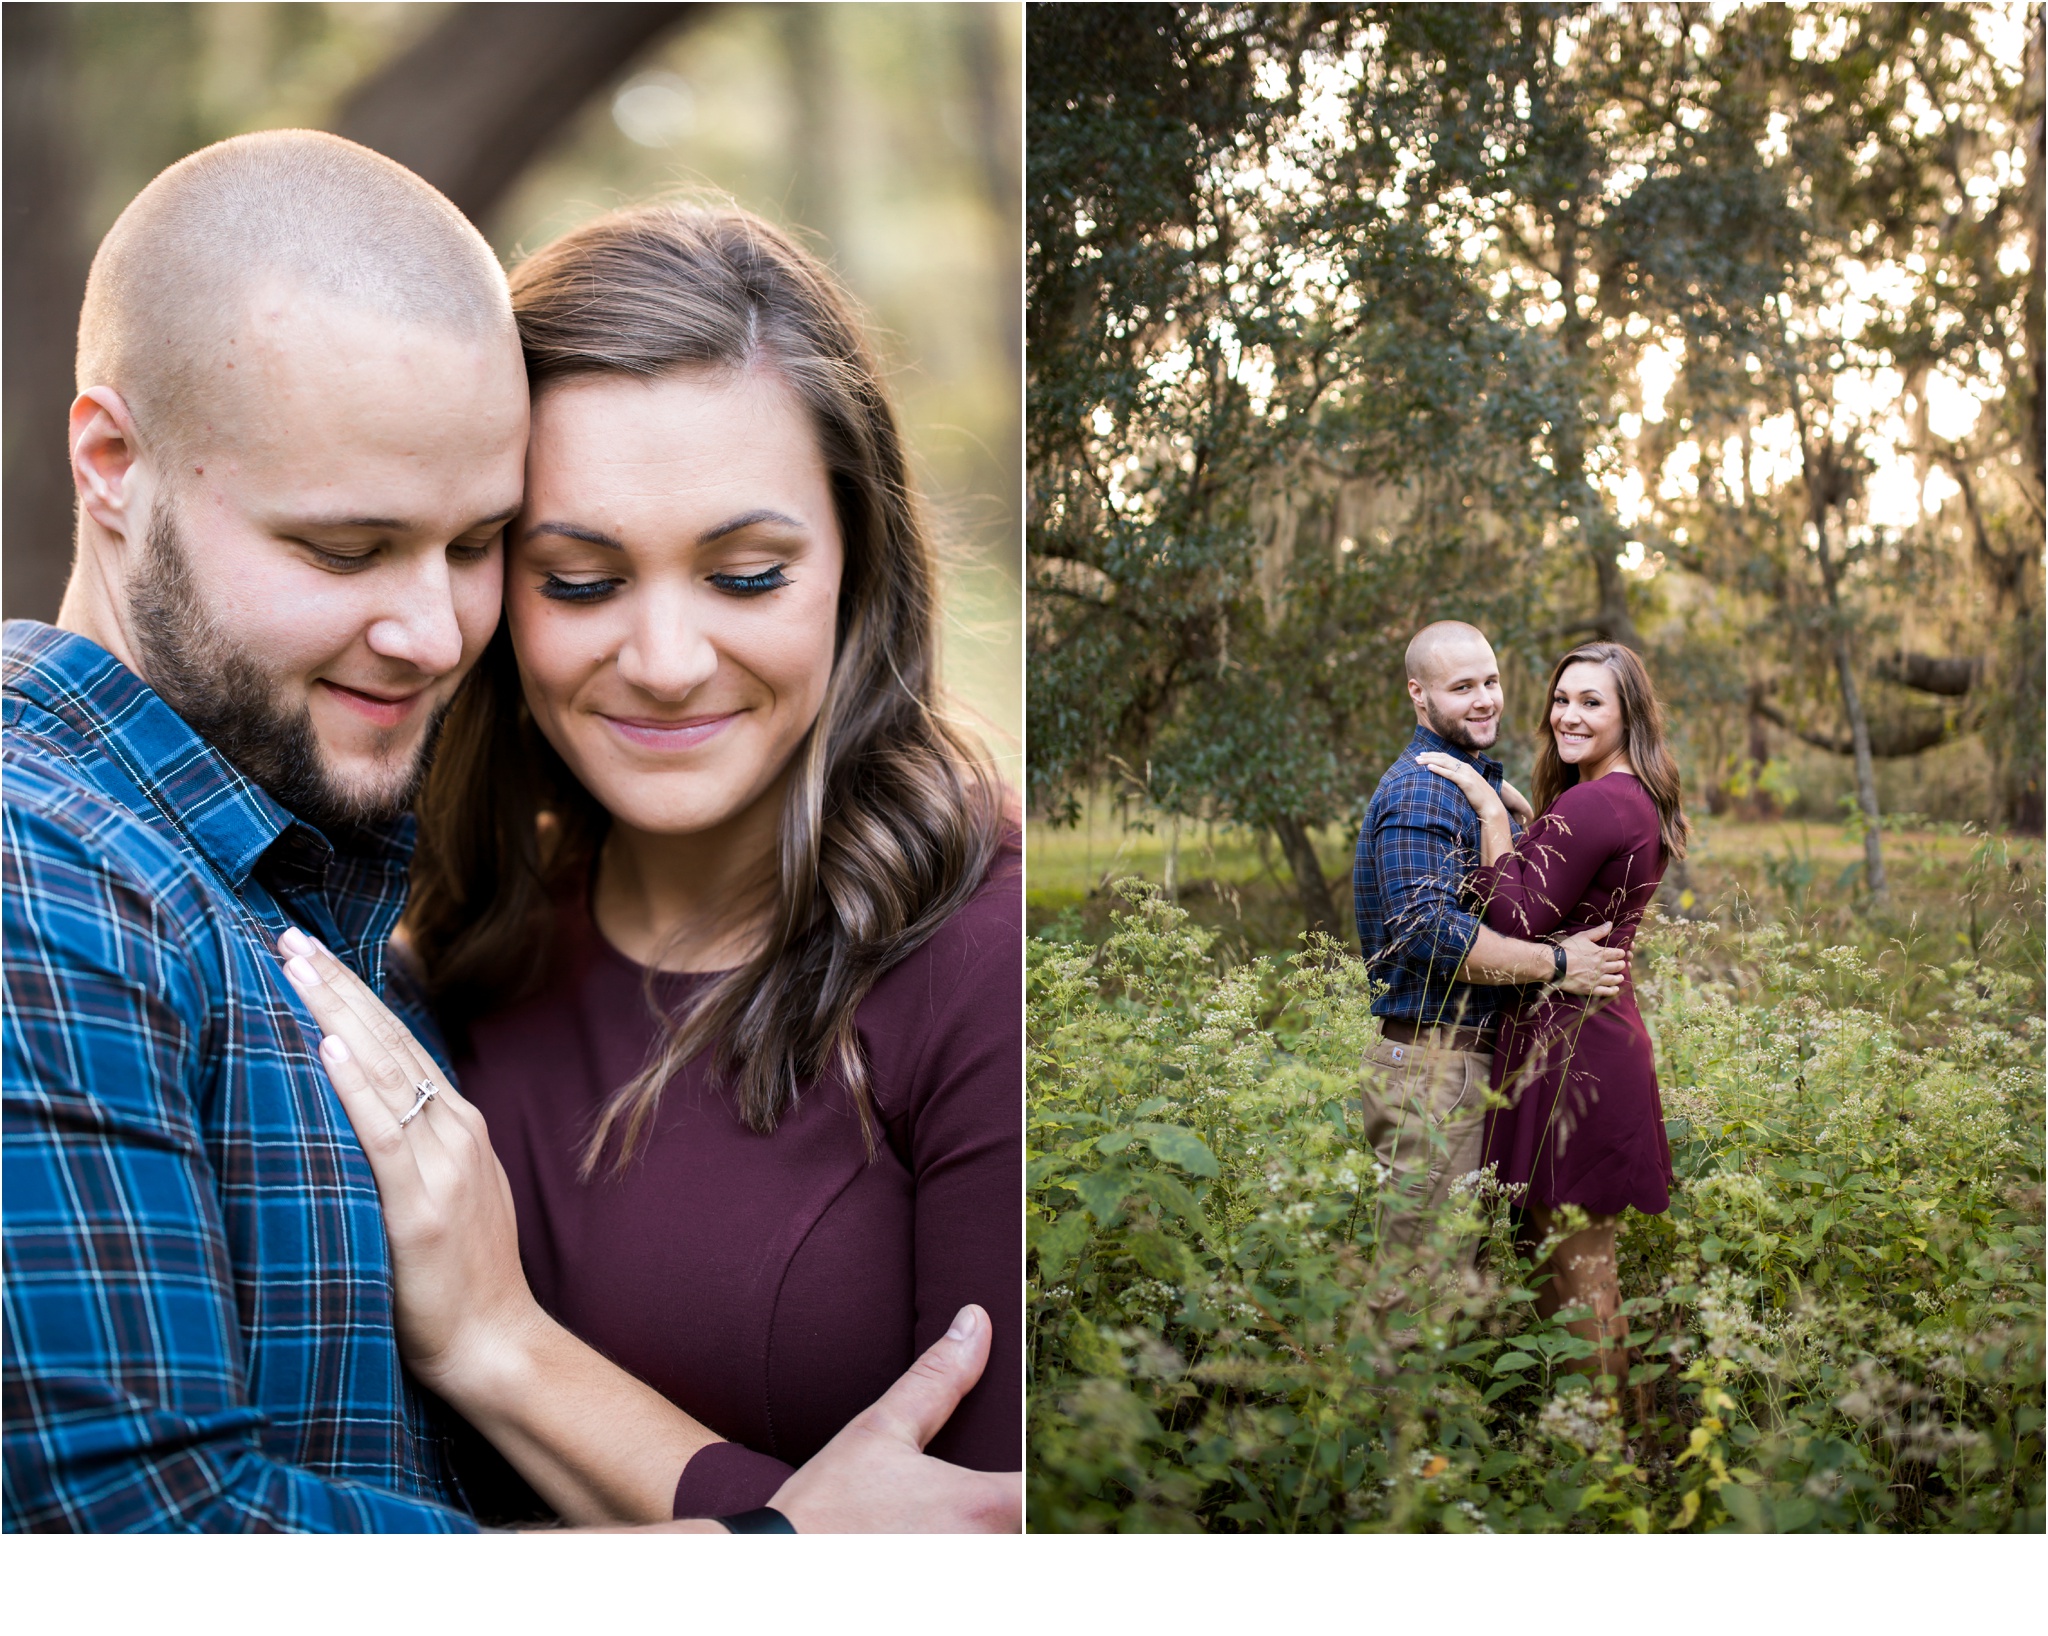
(763, 1519)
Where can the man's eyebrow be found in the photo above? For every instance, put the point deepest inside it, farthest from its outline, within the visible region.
(569, 531)
(388, 525)
(399, 525)
(747, 519)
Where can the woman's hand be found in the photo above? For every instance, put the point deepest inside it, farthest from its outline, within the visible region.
(874, 1478)
(461, 1295)
(1496, 834)
(1517, 804)
(1468, 778)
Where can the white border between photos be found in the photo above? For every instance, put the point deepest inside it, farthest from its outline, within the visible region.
(1514, 1585)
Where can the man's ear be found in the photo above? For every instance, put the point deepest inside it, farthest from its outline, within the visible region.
(1415, 693)
(107, 464)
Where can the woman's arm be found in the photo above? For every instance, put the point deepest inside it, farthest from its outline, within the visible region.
(1532, 887)
(960, 1128)
(598, 1445)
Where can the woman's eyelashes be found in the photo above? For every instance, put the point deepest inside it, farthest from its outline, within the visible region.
(557, 589)
(768, 579)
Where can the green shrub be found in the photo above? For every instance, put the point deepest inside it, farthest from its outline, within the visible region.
(1840, 1316)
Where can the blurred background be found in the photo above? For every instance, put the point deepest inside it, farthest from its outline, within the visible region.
(1716, 331)
(887, 135)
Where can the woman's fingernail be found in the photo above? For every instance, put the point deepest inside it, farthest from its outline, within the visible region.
(966, 1323)
(295, 941)
(334, 1049)
(302, 971)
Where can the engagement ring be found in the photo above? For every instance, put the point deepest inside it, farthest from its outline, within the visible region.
(427, 1090)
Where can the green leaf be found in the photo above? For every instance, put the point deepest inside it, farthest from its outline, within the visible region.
(1172, 1196)
(1794, 1513)
(1177, 1145)
(1508, 1362)
(1103, 1192)
(1745, 1507)
(1158, 1255)
(1059, 1242)
(1095, 1352)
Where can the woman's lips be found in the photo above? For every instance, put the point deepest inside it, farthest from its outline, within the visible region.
(685, 734)
(381, 711)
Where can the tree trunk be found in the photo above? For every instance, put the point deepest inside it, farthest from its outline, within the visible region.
(45, 270)
(472, 104)
(468, 107)
(1610, 617)
(1852, 706)
(1318, 907)
(814, 188)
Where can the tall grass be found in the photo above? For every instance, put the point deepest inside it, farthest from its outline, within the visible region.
(1840, 1317)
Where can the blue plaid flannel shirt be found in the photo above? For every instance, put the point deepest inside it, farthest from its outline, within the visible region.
(198, 1286)
(1416, 920)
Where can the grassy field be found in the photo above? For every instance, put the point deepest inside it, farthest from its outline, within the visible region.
(1954, 893)
(1839, 1319)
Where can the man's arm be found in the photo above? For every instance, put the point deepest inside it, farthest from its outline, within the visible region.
(126, 1400)
(1591, 968)
(1433, 931)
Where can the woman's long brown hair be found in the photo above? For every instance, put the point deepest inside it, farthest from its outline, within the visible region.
(893, 817)
(1642, 738)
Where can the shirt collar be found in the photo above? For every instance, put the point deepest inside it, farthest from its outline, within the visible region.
(227, 819)
(1425, 739)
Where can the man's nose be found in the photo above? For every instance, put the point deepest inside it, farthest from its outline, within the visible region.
(419, 626)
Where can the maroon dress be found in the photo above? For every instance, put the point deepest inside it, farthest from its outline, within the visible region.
(774, 1286)
(1583, 1122)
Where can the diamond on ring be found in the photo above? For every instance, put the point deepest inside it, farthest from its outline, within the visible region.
(427, 1090)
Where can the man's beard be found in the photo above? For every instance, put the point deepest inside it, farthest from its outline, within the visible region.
(237, 706)
(1456, 732)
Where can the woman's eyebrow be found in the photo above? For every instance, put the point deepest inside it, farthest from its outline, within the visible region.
(570, 531)
(748, 519)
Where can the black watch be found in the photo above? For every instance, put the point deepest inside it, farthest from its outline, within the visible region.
(763, 1519)
(1557, 973)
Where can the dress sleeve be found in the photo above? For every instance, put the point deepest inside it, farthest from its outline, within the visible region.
(724, 1479)
(127, 1403)
(1530, 889)
(960, 1131)
(965, 1128)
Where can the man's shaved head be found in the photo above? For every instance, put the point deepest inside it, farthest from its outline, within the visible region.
(1428, 646)
(299, 212)
(1454, 684)
(299, 432)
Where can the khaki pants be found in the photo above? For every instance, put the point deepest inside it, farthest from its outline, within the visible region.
(1425, 1117)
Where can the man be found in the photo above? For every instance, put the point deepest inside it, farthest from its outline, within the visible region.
(299, 432)
(1446, 974)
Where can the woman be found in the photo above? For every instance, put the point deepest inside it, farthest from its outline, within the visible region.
(723, 917)
(1577, 1118)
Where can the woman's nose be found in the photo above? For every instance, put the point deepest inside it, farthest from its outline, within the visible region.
(669, 651)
